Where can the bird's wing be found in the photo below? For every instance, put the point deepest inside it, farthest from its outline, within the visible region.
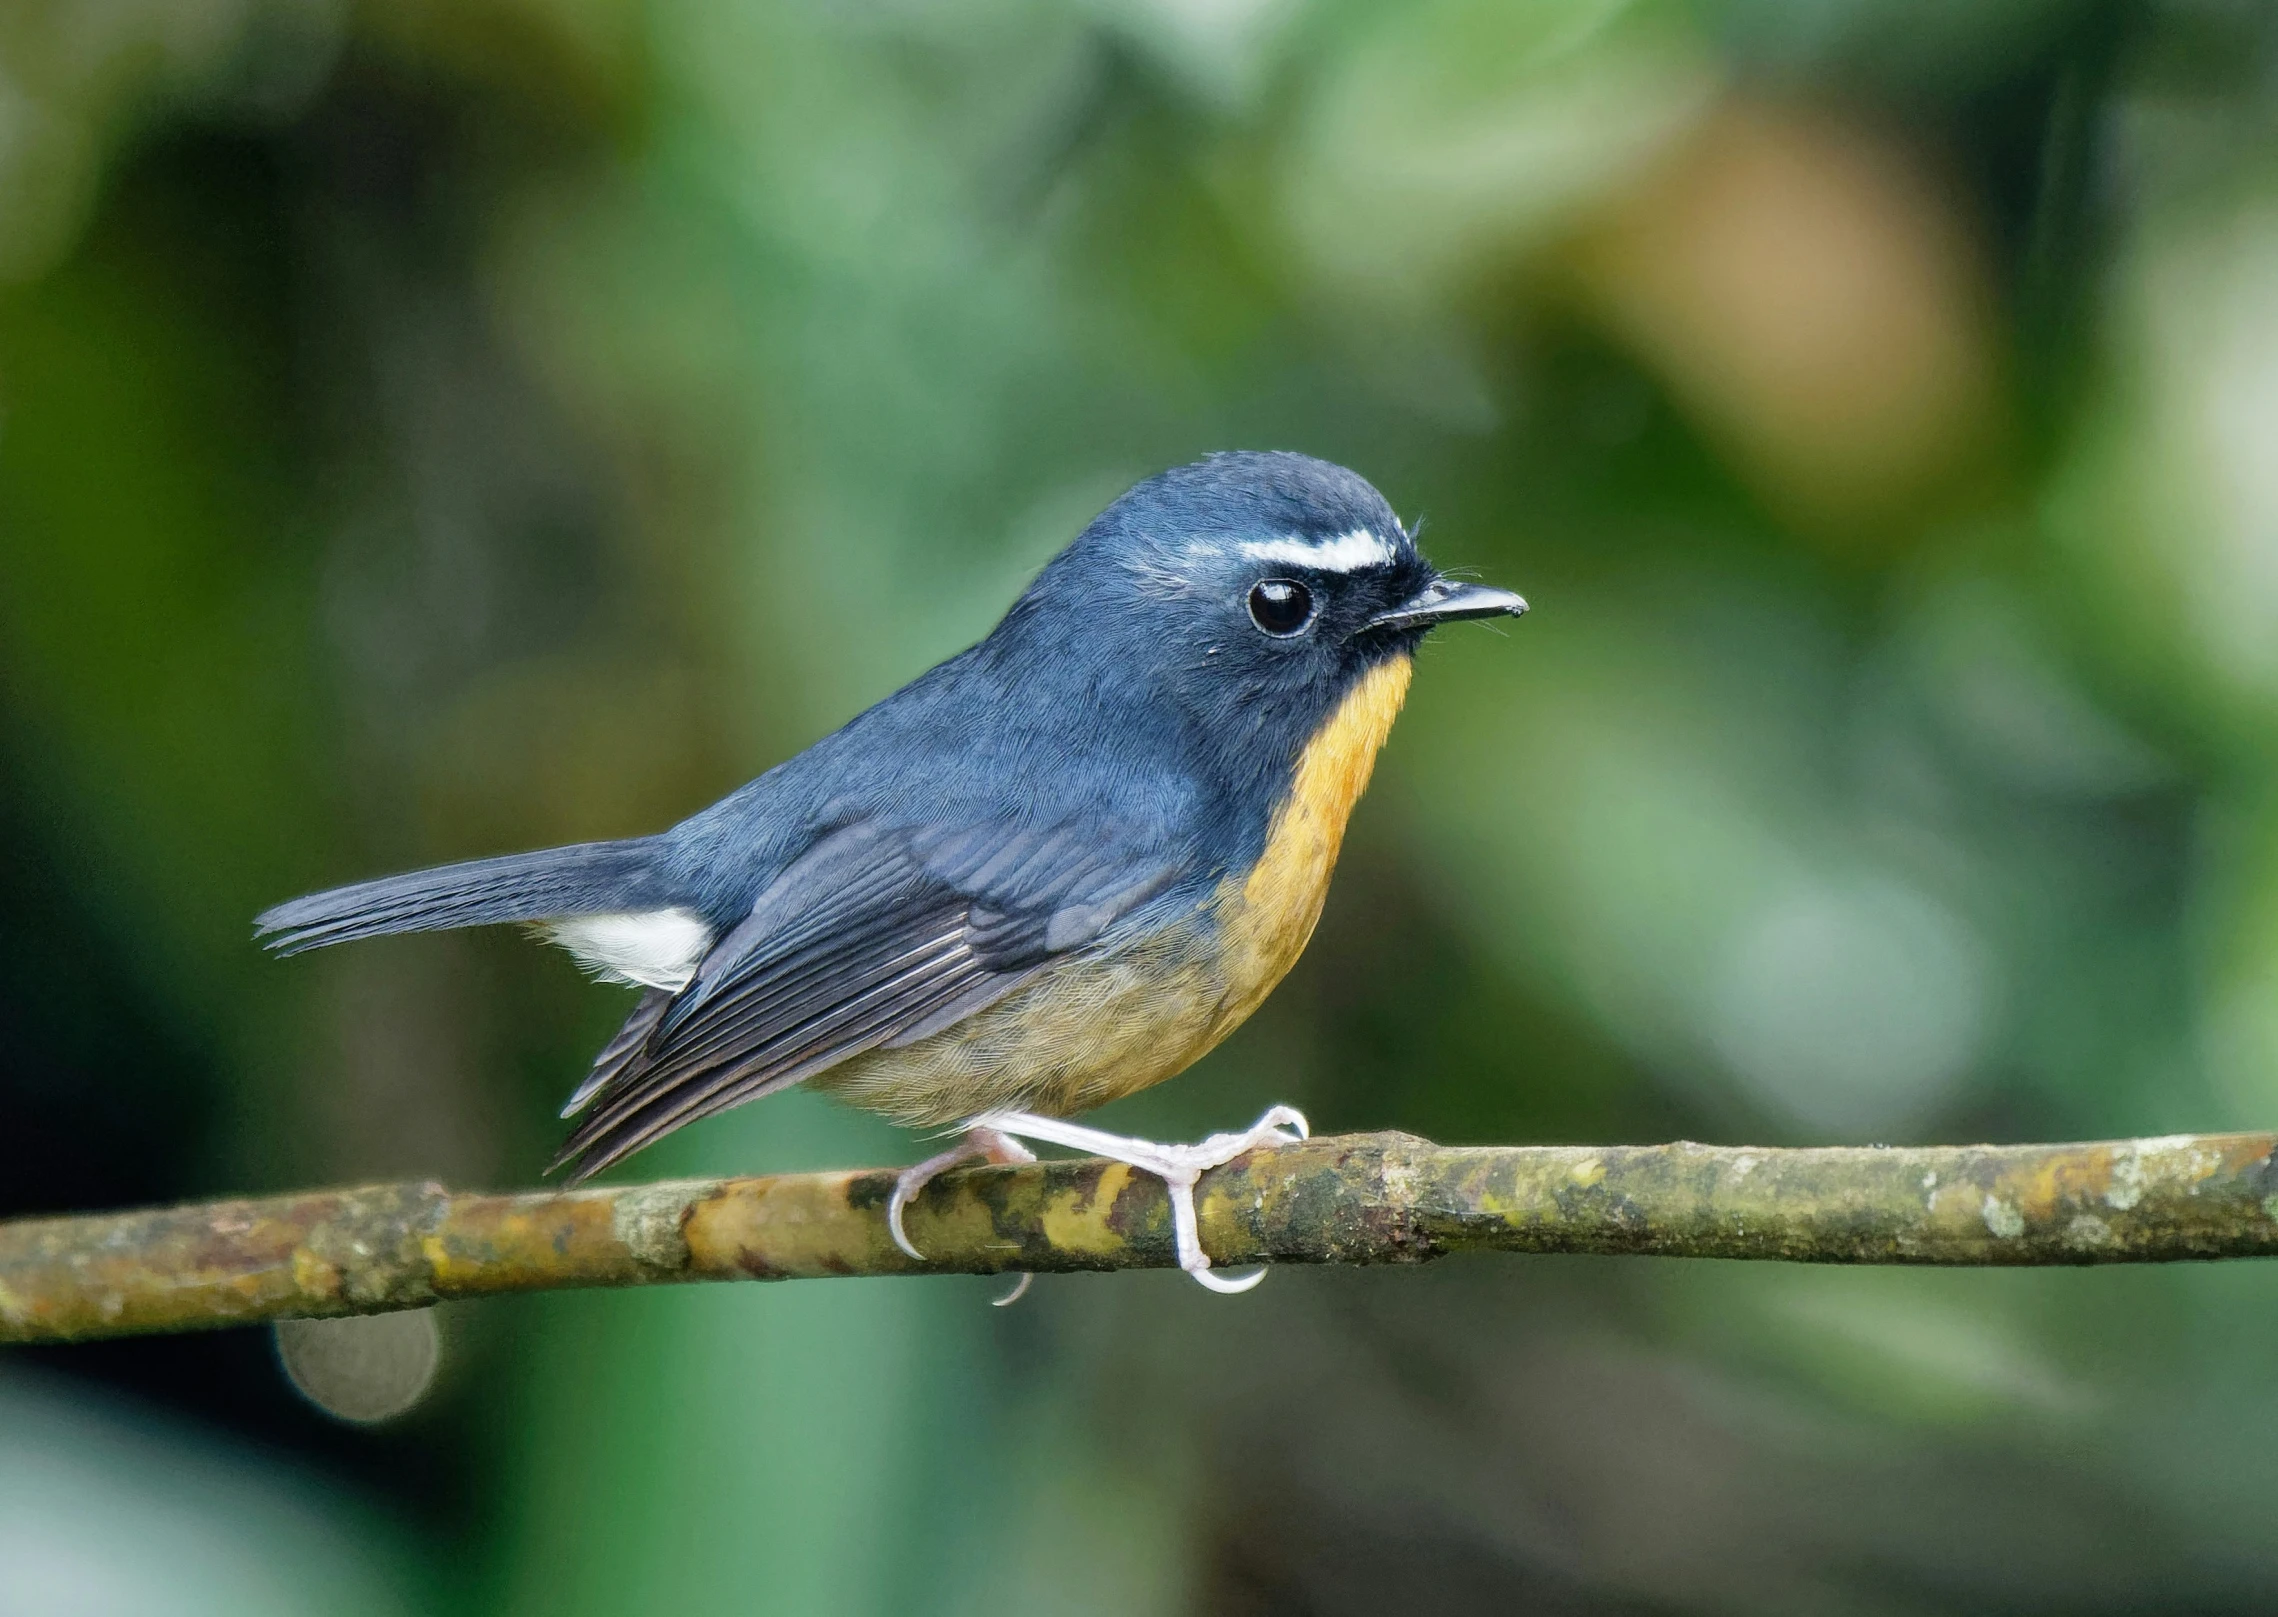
(877, 936)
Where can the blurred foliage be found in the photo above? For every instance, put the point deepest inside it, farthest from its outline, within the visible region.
(428, 429)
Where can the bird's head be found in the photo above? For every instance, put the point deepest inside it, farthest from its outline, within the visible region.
(1254, 590)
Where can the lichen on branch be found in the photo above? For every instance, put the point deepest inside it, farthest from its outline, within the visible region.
(1366, 1198)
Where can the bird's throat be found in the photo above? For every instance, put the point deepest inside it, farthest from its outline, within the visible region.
(1267, 921)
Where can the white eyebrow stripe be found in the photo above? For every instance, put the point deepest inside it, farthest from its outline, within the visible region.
(1347, 553)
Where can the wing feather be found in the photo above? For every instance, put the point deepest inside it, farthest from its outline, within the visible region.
(878, 936)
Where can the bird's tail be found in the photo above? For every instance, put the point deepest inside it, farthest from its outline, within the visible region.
(591, 878)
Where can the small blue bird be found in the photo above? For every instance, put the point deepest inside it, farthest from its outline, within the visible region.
(1049, 872)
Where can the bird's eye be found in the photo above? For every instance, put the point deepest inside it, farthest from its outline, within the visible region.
(1281, 606)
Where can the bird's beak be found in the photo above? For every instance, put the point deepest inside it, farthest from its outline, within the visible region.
(1444, 601)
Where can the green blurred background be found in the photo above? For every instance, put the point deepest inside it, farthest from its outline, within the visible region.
(435, 427)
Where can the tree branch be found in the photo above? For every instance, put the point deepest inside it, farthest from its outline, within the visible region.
(1369, 1198)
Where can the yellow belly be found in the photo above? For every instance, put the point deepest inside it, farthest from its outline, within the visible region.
(1093, 1030)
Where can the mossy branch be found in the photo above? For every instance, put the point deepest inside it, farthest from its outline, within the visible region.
(1368, 1198)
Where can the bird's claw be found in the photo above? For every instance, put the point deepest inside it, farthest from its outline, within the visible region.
(1178, 1166)
(979, 1144)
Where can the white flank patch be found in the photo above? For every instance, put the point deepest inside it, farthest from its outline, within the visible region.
(655, 948)
(1347, 553)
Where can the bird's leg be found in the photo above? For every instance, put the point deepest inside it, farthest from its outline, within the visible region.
(980, 1143)
(1178, 1166)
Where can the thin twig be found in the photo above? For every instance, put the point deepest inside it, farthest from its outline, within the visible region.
(1369, 1198)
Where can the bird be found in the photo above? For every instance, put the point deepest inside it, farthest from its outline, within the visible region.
(1049, 872)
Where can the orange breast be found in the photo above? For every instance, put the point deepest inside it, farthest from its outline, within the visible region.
(1266, 918)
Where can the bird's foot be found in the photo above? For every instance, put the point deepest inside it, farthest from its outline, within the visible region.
(1178, 1166)
(980, 1144)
